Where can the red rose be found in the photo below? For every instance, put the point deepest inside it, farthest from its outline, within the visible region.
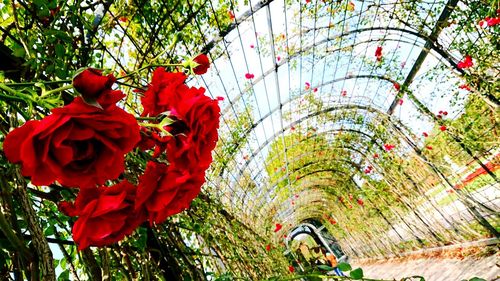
(105, 214)
(396, 86)
(195, 132)
(165, 87)
(378, 53)
(203, 66)
(389, 147)
(91, 84)
(360, 202)
(164, 190)
(278, 227)
(196, 119)
(78, 145)
(466, 62)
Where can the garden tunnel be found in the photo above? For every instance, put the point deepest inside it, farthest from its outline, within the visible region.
(375, 120)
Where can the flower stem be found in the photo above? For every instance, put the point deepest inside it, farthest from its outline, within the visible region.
(148, 66)
(9, 90)
(57, 90)
(146, 118)
(22, 84)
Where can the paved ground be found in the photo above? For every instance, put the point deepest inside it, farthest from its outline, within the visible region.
(434, 269)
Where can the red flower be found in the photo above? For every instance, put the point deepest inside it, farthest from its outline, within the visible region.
(442, 128)
(466, 62)
(164, 190)
(308, 86)
(291, 268)
(164, 87)
(489, 21)
(425, 134)
(123, 19)
(375, 155)
(195, 131)
(400, 101)
(389, 147)
(78, 145)
(429, 147)
(230, 14)
(378, 53)
(91, 84)
(268, 247)
(203, 64)
(252, 46)
(367, 171)
(196, 119)
(360, 202)
(278, 227)
(278, 58)
(105, 214)
(396, 86)
(343, 93)
(493, 21)
(351, 197)
(249, 76)
(465, 87)
(315, 90)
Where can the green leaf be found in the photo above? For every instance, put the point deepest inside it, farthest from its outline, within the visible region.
(60, 50)
(143, 237)
(49, 231)
(356, 274)
(19, 52)
(63, 276)
(343, 266)
(325, 267)
(477, 279)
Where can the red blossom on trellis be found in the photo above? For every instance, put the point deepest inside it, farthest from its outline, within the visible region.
(465, 63)
(465, 87)
(378, 53)
(389, 147)
(230, 14)
(277, 227)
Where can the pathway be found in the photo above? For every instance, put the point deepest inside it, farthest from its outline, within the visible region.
(434, 269)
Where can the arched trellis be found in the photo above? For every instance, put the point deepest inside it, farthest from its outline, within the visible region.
(430, 44)
(478, 216)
